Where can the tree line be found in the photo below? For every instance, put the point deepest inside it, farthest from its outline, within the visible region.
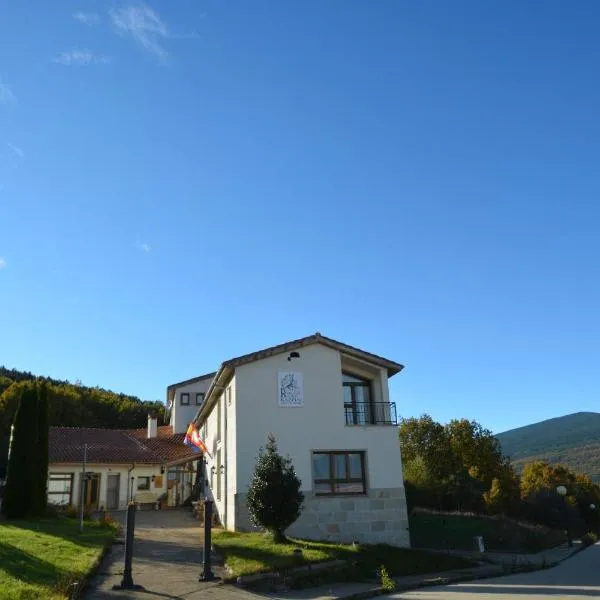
(71, 405)
(460, 466)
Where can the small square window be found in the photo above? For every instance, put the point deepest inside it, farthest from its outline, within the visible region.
(143, 483)
(185, 399)
(199, 398)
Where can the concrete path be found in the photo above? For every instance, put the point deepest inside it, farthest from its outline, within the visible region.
(576, 578)
(167, 560)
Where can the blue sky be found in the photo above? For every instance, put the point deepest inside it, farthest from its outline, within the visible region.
(184, 182)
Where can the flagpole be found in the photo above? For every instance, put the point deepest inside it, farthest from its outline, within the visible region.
(81, 499)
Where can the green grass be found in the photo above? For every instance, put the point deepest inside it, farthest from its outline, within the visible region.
(39, 559)
(456, 531)
(249, 553)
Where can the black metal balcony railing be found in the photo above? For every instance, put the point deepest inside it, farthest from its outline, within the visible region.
(375, 413)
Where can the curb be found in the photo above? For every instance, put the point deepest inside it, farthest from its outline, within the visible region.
(450, 578)
(77, 588)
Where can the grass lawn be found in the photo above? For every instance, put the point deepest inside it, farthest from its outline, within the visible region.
(39, 559)
(456, 531)
(248, 553)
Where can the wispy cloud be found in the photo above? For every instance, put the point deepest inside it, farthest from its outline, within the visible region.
(81, 58)
(2, 263)
(143, 246)
(16, 150)
(145, 27)
(87, 18)
(6, 94)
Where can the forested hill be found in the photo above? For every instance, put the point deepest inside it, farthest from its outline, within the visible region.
(73, 405)
(572, 440)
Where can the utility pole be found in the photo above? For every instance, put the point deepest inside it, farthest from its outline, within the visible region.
(82, 491)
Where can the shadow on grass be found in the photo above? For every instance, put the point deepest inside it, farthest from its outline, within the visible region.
(94, 534)
(28, 568)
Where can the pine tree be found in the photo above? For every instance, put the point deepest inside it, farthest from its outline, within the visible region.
(18, 489)
(274, 497)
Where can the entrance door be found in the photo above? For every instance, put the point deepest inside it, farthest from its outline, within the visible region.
(92, 491)
(113, 485)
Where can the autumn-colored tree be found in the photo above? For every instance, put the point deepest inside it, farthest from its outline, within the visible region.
(503, 495)
(476, 448)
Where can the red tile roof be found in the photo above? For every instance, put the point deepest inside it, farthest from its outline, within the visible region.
(66, 445)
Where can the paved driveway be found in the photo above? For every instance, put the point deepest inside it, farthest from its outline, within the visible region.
(576, 578)
(167, 557)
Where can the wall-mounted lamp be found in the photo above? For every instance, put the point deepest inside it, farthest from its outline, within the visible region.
(293, 355)
(213, 469)
(162, 470)
(222, 469)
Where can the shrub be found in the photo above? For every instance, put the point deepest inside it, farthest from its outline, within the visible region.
(388, 584)
(589, 538)
(274, 497)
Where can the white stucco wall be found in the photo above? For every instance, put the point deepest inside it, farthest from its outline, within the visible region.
(104, 470)
(318, 425)
(225, 444)
(253, 412)
(181, 416)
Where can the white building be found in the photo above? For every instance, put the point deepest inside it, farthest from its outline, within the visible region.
(328, 406)
(144, 465)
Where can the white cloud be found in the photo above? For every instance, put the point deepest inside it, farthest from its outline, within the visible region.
(144, 25)
(81, 58)
(16, 150)
(143, 246)
(2, 263)
(87, 18)
(6, 94)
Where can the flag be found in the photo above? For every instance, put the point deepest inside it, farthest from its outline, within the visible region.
(192, 438)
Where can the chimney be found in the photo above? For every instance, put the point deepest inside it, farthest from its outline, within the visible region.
(152, 425)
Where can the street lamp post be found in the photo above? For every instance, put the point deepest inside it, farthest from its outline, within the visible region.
(561, 490)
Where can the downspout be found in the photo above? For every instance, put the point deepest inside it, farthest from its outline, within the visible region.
(130, 483)
(227, 398)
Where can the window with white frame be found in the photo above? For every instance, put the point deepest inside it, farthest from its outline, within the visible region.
(60, 488)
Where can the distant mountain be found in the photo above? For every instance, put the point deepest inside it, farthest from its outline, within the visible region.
(572, 440)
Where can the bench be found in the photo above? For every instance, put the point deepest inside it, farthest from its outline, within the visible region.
(146, 498)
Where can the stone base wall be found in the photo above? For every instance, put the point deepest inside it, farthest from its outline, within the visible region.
(378, 518)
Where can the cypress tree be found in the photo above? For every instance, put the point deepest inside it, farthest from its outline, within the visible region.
(18, 489)
(40, 466)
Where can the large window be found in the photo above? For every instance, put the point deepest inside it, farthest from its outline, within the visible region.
(185, 399)
(358, 406)
(60, 488)
(340, 472)
(199, 398)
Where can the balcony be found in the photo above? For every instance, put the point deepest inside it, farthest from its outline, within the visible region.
(375, 413)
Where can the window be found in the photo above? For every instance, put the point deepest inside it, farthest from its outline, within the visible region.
(143, 483)
(60, 487)
(340, 472)
(199, 398)
(357, 400)
(185, 399)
